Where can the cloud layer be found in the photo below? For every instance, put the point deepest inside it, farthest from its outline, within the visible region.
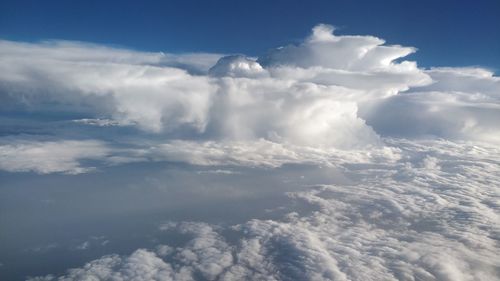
(462, 103)
(50, 156)
(428, 216)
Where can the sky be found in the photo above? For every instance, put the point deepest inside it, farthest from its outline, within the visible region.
(446, 32)
(249, 141)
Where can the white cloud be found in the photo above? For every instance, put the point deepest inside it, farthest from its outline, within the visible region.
(238, 66)
(323, 48)
(101, 122)
(126, 85)
(164, 250)
(462, 103)
(329, 92)
(45, 157)
(263, 153)
(69, 156)
(141, 265)
(312, 99)
(83, 52)
(471, 80)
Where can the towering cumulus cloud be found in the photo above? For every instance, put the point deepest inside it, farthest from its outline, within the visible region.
(306, 94)
(417, 149)
(323, 91)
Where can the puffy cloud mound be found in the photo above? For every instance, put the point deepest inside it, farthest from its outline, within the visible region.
(141, 265)
(238, 66)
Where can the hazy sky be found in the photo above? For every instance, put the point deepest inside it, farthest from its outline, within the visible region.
(249, 141)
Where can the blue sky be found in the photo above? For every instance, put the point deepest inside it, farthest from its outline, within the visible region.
(447, 33)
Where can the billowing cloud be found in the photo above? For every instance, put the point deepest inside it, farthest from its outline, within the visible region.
(330, 91)
(313, 104)
(123, 85)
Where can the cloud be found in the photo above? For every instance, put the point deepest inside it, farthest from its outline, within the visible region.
(154, 97)
(472, 80)
(72, 156)
(325, 49)
(238, 66)
(45, 157)
(83, 52)
(101, 122)
(428, 216)
(330, 92)
(141, 265)
(307, 94)
(263, 153)
(462, 103)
